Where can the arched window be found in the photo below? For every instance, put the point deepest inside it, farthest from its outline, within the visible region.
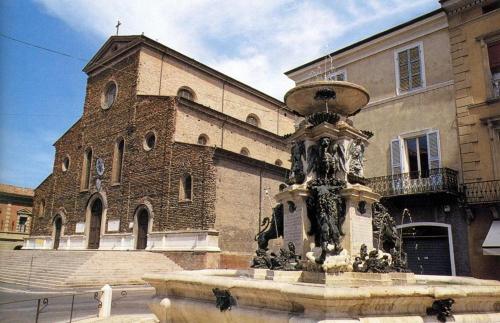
(87, 164)
(278, 162)
(186, 188)
(253, 120)
(65, 164)
(244, 151)
(118, 161)
(186, 93)
(203, 139)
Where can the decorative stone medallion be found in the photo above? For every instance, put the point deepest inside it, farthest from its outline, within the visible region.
(99, 166)
(98, 184)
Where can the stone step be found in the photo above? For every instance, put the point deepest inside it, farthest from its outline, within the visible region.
(53, 269)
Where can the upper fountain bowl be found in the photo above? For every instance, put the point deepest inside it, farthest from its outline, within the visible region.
(344, 98)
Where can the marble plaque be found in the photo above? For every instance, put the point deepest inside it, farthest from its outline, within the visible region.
(362, 232)
(293, 229)
(113, 225)
(80, 227)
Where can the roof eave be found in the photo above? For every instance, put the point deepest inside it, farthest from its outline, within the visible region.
(364, 41)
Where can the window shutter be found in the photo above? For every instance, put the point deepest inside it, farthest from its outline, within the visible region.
(395, 157)
(494, 55)
(410, 69)
(433, 149)
(404, 77)
(415, 68)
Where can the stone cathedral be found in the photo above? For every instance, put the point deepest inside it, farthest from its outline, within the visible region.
(169, 155)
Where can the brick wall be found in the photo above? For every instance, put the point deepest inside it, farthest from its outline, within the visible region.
(42, 216)
(199, 212)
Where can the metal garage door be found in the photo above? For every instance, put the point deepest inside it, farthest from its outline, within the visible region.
(428, 250)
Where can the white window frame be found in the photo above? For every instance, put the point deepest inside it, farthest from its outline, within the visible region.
(402, 148)
(335, 73)
(420, 46)
(400, 183)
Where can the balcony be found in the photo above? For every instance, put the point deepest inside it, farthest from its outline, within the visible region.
(438, 180)
(482, 192)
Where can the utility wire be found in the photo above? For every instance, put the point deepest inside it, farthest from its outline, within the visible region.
(41, 47)
(57, 52)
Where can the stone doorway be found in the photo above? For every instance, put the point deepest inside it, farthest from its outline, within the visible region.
(95, 224)
(57, 231)
(142, 229)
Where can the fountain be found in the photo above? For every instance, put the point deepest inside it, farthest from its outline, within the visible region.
(343, 260)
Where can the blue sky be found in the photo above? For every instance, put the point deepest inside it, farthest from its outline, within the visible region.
(42, 94)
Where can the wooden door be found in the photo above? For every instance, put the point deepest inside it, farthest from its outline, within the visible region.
(95, 225)
(57, 234)
(142, 229)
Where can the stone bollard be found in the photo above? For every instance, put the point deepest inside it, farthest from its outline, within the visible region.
(106, 297)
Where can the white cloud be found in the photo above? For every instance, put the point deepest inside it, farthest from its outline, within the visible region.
(252, 41)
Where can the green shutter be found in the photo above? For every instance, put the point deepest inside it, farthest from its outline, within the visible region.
(395, 157)
(433, 149)
(410, 69)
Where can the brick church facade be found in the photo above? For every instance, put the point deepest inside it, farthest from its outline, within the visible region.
(169, 155)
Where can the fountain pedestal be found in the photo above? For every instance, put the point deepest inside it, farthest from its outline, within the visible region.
(358, 223)
(357, 226)
(296, 224)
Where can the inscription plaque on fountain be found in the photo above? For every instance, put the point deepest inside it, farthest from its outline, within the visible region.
(293, 229)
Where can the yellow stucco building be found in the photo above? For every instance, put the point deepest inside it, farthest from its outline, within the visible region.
(474, 30)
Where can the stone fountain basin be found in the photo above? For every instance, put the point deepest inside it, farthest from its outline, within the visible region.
(279, 296)
(350, 97)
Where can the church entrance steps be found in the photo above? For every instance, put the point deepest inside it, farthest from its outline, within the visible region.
(68, 269)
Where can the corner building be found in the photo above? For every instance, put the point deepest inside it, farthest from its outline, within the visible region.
(413, 158)
(475, 52)
(169, 155)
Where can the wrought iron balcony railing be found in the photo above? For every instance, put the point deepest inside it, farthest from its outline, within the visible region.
(433, 180)
(482, 192)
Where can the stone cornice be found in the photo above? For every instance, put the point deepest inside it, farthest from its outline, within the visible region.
(453, 7)
(340, 130)
(223, 154)
(16, 199)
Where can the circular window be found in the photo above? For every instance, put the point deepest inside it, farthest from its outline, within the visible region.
(278, 162)
(65, 164)
(203, 140)
(109, 95)
(149, 141)
(244, 151)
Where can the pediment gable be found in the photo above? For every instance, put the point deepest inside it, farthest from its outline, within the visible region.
(114, 46)
(24, 211)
